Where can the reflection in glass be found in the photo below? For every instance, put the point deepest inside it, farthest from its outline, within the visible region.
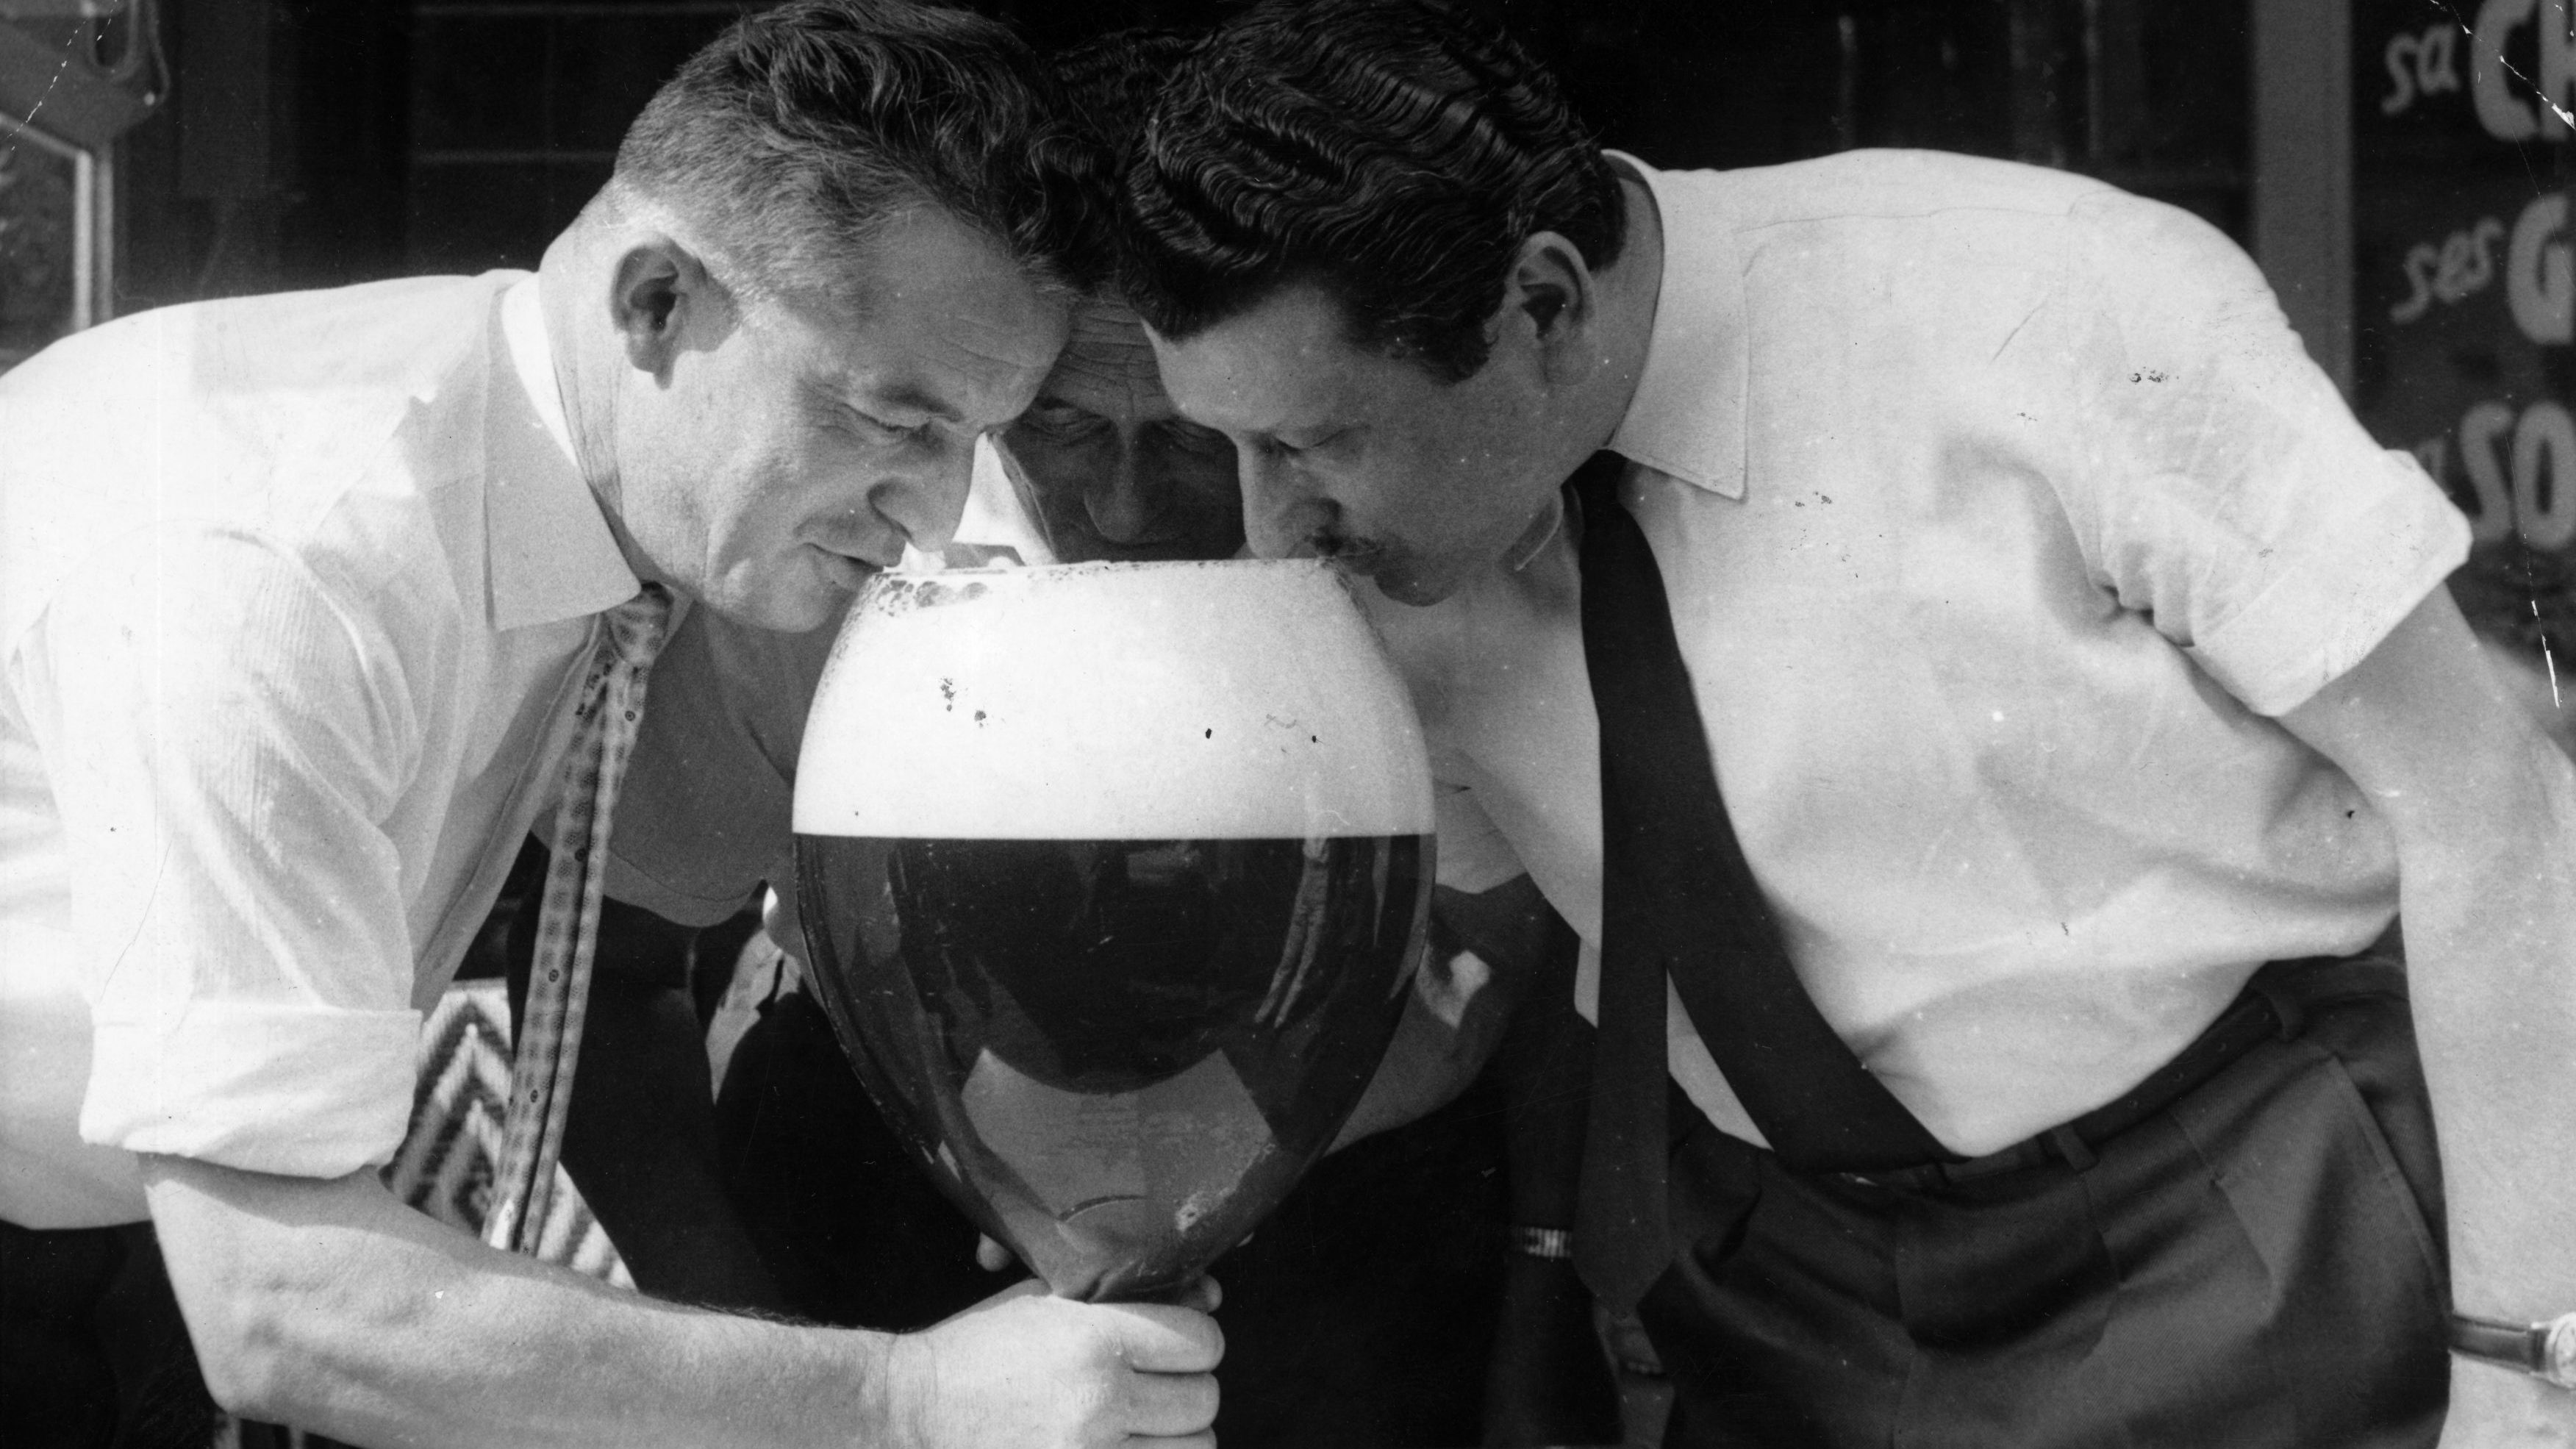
(1130, 1048)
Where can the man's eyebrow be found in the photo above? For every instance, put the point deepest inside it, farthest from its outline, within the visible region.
(909, 396)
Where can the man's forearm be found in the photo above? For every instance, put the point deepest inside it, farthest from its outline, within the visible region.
(2491, 957)
(332, 1307)
(2483, 811)
(329, 1306)
(2492, 968)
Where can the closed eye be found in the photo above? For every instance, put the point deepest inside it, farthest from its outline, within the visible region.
(1196, 439)
(876, 429)
(1062, 424)
(1314, 444)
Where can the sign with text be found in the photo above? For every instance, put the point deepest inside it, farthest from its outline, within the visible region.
(2464, 145)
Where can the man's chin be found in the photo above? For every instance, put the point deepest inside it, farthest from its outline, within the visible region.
(786, 611)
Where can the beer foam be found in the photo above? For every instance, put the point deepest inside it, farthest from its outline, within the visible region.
(1111, 701)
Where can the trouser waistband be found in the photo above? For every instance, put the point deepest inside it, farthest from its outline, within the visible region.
(2275, 1004)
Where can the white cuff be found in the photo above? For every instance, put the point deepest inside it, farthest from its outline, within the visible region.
(2353, 581)
(297, 1090)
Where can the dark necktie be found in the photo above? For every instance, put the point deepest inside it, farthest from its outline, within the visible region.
(1678, 900)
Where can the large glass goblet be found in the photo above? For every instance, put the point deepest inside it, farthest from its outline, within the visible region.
(1113, 878)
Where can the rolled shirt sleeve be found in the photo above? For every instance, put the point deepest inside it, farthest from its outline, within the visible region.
(225, 744)
(2223, 488)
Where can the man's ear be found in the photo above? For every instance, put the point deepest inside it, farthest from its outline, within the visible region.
(660, 295)
(1551, 288)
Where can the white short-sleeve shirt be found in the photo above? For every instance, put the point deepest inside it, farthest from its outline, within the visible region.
(293, 591)
(1999, 511)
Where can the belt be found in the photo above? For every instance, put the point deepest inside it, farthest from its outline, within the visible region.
(2274, 1005)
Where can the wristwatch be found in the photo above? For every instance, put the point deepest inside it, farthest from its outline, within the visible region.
(2543, 1350)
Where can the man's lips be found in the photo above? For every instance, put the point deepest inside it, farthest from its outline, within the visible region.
(1353, 555)
(868, 547)
(848, 571)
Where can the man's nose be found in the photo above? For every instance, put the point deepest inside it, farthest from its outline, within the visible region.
(1122, 500)
(927, 499)
(1281, 512)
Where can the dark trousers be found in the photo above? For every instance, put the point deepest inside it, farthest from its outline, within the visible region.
(93, 1354)
(2259, 1261)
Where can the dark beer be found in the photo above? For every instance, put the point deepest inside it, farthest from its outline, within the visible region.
(1112, 880)
(1124, 1050)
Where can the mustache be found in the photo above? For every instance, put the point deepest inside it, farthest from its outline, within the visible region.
(1343, 549)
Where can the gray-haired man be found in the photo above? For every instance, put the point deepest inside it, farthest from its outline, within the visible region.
(297, 594)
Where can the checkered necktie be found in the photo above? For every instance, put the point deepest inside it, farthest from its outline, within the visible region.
(549, 1029)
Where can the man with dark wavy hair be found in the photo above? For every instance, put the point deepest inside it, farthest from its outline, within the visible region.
(307, 600)
(1982, 700)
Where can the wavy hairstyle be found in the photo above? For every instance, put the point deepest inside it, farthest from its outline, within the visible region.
(1109, 84)
(804, 128)
(1394, 152)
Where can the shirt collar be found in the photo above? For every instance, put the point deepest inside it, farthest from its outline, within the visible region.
(552, 554)
(1687, 418)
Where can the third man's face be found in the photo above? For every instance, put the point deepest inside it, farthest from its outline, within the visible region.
(1112, 470)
